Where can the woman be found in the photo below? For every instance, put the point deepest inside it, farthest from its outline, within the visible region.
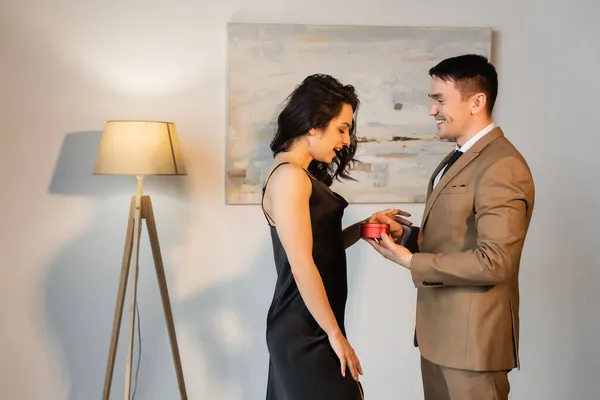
(315, 143)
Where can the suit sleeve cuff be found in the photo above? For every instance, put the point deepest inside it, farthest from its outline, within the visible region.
(423, 275)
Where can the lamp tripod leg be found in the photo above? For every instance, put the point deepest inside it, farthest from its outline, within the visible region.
(164, 292)
(120, 301)
(137, 229)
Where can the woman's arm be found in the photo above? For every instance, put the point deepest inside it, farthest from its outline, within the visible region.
(351, 234)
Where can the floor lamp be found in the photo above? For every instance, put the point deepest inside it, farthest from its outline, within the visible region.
(139, 148)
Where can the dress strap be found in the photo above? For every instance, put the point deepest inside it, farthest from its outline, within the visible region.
(267, 216)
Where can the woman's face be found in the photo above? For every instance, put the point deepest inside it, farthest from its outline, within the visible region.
(324, 143)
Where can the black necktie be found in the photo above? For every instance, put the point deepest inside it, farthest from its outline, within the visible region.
(452, 160)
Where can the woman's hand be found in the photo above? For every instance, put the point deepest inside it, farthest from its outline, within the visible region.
(346, 354)
(392, 217)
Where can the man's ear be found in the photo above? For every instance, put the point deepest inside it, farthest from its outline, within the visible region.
(478, 102)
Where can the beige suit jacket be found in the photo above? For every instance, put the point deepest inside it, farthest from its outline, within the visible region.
(469, 250)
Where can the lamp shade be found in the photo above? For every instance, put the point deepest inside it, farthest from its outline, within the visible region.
(139, 148)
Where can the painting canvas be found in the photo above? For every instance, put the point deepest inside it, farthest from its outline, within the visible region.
(398, 145)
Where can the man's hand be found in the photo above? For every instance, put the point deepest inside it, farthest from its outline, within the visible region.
(392, 251)
(393, 217)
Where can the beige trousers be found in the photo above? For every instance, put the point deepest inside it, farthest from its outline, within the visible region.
(443, 383)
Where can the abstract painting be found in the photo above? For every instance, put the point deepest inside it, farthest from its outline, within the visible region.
(398, 145)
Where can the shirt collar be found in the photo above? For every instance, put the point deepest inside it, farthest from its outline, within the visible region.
(475, 138)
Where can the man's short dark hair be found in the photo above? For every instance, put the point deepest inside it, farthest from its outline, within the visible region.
(471, 73)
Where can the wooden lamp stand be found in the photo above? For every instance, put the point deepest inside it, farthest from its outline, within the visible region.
(140, 210)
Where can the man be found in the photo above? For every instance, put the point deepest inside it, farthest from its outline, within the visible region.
(468, 248)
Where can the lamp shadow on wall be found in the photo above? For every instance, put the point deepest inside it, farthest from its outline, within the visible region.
(82, 282)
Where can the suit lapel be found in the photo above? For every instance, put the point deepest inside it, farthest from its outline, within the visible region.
(435, 173)
(458, 166)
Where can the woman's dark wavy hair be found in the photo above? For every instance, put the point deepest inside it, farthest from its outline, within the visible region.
(313, 104)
